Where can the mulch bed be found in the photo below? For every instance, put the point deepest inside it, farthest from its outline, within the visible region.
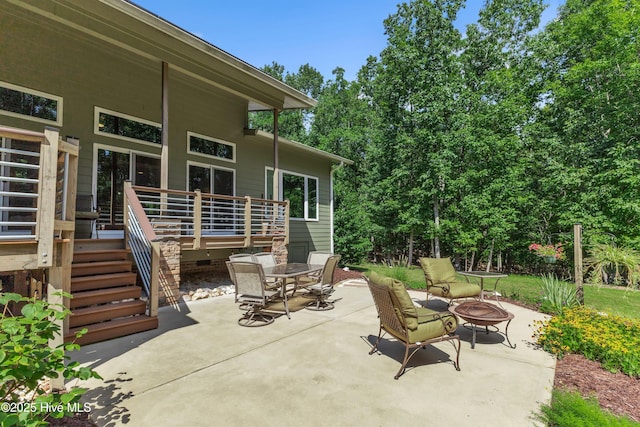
(618, 393)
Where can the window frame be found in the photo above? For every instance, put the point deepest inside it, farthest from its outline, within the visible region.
(214, 140)
(58, 99)
(96, 126)
(306, 192)
(211, 169)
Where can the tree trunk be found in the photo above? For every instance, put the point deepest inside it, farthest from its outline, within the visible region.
(473, 258)
(490, 255)
(410, 260)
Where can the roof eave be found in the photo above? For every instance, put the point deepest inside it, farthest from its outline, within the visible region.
(315, 151)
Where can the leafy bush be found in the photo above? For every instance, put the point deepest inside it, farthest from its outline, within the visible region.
(557, 295)
(570, 409)
(26, 360)
(610, 264)
(613, 341)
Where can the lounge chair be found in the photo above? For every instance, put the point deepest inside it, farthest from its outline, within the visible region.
(442, 281)
(414, 326)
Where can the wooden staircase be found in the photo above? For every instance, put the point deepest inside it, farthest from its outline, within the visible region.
(106, 299)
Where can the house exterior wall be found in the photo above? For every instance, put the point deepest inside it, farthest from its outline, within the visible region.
(87, 72)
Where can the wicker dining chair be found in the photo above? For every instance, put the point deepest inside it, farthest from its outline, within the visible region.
(322, 288)
(252, 293)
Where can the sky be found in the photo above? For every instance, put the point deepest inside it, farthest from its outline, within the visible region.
(324, 34)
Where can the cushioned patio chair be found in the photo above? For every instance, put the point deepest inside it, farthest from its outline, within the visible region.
(322, 288)
(253, 293)
(415, 327)
(442, 281)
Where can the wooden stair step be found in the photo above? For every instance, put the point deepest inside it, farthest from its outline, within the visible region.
(100, 313)
(113, 329)
(100, 255)
(101, 281)
(102, 296)
(100, 267)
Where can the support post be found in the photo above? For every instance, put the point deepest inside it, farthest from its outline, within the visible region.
(197, 220)
(47, 197)
(276, 166)
(247, 222)
(577, 261)
(164, 159)
(155, 279)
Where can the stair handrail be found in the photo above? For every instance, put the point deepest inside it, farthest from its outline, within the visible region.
(143, 242)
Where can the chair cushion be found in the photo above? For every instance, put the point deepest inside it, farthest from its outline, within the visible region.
(406, 309)
(432, 324)
(439, 270)
(455, 290)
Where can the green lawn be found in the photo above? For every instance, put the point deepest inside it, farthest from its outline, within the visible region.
(618, 301)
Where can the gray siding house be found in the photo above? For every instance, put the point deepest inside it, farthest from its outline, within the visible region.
(166, 113)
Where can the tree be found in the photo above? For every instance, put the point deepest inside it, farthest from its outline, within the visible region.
(416, 87)
(592, 72)
(494, 201)
(292, 124)
(343, 124)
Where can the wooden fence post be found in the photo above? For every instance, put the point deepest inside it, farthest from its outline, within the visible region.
(577, 261)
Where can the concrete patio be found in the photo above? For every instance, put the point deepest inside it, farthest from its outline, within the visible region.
(201, 369)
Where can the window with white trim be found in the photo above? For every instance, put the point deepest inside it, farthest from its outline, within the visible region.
(129, 128)
(300, 190)
(25, 103)
(207, 146)
(219, 214)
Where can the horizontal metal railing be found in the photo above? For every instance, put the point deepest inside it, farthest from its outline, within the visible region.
(19, 181)
(184, 214)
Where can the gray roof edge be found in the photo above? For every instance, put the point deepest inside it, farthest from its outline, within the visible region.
(140, 13)
(304, 147)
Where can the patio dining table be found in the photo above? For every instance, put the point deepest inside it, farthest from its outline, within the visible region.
(291, 270)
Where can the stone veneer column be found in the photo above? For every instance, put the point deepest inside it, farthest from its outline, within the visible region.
(280, 250)
(169, 275)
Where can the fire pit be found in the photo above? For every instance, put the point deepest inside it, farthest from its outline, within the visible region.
(480, 313)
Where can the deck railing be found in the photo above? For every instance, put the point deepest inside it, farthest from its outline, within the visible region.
(37, 191)
(199, 217)
(198, 220)
(142, 240)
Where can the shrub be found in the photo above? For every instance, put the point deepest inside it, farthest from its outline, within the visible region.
(26, 360)
(570, 409)
(609, 264)
(557, 295)
(611, 340)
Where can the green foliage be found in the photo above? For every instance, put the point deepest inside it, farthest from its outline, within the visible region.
(26, 359)
(557, 295)
(610, 264)
(613, 341)
(571, 409)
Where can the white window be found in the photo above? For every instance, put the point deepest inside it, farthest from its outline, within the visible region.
(18, 101)
(219, 213)
(211, 179)
(300, 190)
(128, 128)
(207, 146)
